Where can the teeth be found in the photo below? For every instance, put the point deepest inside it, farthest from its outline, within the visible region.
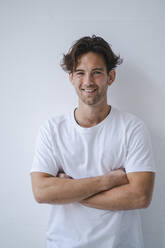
(90, 90)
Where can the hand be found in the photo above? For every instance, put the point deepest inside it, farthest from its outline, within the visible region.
(115, 178)
(119, 176)
(63, 175)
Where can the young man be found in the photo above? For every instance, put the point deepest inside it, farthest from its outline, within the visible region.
(93, 165)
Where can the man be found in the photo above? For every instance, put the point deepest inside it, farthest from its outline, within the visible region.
(93, 165)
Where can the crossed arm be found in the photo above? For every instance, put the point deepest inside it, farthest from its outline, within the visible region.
(116, 191)
(136, 194)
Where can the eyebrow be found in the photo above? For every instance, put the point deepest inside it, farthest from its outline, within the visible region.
(94, 69)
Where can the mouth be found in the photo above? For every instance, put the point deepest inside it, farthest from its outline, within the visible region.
(89, 92)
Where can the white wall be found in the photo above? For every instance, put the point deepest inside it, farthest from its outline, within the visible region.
(34, 35)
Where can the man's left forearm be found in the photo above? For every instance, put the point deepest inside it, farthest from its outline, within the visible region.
(136, 194)
(119, 198)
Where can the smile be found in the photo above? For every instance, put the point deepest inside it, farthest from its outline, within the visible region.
(89, 92)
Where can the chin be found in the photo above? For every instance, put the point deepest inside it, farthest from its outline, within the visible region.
(89, 102)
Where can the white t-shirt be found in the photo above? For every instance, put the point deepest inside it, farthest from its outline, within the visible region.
(120, 140)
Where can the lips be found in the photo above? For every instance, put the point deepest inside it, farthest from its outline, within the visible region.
(89, 92)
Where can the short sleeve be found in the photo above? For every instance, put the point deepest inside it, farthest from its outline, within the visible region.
(139, 155)
(44, 156)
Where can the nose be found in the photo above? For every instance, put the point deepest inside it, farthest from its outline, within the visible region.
(88, 80)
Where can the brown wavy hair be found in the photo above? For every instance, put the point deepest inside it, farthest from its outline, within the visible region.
(90, 44)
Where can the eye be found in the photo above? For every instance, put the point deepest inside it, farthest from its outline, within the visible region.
(79, 73)
(97, 72)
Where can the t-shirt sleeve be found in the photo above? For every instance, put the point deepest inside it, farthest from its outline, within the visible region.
(44, 159)
(139, 155)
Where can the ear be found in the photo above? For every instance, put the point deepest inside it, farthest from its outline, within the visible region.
(111, 76)
(71, 77)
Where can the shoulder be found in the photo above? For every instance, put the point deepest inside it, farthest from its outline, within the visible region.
(54, 123)
(127, 119)
(128, 124)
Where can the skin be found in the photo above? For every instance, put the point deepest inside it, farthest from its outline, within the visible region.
(133, 194)
(62, 189)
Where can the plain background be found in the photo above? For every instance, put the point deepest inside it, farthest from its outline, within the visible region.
(33, 37)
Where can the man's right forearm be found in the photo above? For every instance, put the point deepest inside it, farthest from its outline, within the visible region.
(56, 190)
(60, 191)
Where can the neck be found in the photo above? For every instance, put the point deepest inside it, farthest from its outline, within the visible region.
(87, 116)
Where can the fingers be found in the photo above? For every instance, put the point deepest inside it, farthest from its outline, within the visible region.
(63, 175)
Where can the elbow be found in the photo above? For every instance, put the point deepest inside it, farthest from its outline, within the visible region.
(39, 200)
(42, 196)
(145, 201)
(141, 199)
(38, 196)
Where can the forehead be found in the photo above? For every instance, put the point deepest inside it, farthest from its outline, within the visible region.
(90, 59)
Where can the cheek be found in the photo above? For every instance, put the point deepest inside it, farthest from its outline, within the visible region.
(78, 83)
(101, 83)
(100, 79)
(77, 87)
